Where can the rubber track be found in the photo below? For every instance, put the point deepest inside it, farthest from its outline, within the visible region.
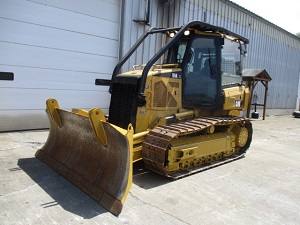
(157, 143)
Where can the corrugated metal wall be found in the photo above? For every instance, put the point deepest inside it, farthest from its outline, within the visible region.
(271, 47)
(131, 31)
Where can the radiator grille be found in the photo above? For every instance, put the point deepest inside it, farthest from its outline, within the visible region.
(163, 98)
(171, 100)
(160, 95)
(122, 107)
(174, 84)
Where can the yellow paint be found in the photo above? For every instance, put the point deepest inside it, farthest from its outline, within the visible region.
(80, 112)
(129, 136)
(187, 152)
(52, 105)
(236, 98)
(96, 117)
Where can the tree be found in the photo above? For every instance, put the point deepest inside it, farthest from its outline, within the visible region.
(298, 34)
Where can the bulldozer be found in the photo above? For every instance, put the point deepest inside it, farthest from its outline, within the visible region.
(179, 113)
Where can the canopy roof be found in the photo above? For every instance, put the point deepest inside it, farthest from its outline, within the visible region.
(255, 74)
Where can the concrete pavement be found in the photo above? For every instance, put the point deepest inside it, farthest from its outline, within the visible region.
(262, 188)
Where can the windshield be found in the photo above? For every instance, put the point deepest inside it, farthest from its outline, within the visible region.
(200, 85)
(176, 53)
(231, 63)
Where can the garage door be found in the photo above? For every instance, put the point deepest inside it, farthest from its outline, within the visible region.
(54, 48)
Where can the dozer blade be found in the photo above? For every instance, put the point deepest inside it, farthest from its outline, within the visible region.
(94, 155)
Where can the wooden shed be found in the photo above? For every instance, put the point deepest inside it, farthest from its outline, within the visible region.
(251, 77)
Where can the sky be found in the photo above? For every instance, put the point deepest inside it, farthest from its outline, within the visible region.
(283, 13)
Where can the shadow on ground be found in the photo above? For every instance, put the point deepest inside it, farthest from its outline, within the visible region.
(72, 199)
(65, 194)
(147, 179)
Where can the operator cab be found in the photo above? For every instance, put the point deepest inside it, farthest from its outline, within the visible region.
(207, 63)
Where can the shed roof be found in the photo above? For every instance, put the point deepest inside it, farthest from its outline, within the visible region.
(255, 74)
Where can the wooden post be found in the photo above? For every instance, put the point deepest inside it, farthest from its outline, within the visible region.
(250, 85)
(265, 99)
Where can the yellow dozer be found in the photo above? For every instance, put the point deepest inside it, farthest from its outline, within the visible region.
(180, 117)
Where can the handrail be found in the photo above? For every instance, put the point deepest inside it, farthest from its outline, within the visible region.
(151, 30)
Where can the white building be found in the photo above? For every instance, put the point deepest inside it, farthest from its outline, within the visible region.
(52, 48)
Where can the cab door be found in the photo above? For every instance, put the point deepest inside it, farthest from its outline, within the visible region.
(201, 72)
